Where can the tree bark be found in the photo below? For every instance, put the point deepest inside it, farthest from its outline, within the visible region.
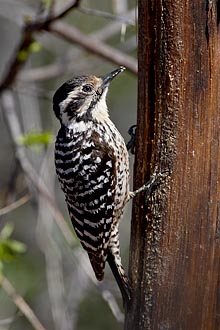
(175, 234)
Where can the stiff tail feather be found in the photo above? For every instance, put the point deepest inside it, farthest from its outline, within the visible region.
(120, 278)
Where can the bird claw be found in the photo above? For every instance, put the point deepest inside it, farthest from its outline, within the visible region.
(131, 143)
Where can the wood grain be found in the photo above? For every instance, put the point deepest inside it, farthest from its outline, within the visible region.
(175, 234)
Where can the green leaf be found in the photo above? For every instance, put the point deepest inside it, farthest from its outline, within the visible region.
(6, 231)
(22, 55)
(9, 248)
(6, 253)
(17, 246)
(35, 47)
(34, 138)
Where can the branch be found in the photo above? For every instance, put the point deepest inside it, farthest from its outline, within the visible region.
(100, 13)
(31, 174)
(43, 24)
(17, 62)
(14, 205)
(47, 243)
(93, 45)
(23, 50)
(68, 62)
(20, 303)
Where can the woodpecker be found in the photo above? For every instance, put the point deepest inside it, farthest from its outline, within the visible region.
(92, 165)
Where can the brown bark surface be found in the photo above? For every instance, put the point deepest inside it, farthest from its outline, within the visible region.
(175, 235)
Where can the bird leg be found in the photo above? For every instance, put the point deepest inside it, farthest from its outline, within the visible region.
(147, 187)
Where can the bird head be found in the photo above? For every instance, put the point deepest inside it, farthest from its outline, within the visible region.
(83, 98)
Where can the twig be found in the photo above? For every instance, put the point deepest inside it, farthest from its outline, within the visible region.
(106, 294)
(100, 13)
(18, 61)
(110, 299)
(20, 303)
(42, 24)
(93, 45)
(48, 244)
(15, 205)
(67, 63)
(13, 123)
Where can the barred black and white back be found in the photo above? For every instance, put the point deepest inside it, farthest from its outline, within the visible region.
(92, 166)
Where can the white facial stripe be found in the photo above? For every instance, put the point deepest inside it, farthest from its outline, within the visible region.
(63, 105)
(100, 111)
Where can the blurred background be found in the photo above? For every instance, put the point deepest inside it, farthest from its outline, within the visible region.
(39, 253)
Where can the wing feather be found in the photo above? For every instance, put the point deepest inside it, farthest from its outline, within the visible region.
(88, 180)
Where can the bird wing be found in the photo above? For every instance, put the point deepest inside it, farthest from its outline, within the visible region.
(91, 201)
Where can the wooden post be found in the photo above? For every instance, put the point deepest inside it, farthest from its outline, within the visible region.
(175, 234)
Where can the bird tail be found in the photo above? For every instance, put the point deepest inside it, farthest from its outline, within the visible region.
(112, 255)
(121, 278)
(98, 265)
(114, 260)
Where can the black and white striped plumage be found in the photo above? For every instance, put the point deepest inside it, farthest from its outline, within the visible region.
(92, 166)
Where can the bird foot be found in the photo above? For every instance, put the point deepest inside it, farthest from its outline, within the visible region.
(147, 187)
(131, 143)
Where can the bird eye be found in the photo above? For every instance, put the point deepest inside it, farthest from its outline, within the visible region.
(87, 88)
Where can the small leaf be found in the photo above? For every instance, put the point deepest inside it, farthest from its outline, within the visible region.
(9, 248)
(22, 55)
(6, 231)
(35, 47)
(35, 138)
(6, 253)
(17, 247)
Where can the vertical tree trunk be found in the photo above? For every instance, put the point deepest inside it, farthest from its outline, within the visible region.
(175, 235)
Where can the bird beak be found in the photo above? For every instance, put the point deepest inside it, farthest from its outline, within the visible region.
(108, 78)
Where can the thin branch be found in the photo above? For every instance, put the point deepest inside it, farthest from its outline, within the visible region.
(20, 303)
(11, 116)
(42, 24)
(31, 174)
(106, 294)
(71, 34)
(17, 62)
(48, 244)
(110, 299)
(68, 62)
(23, 50)
(93, 45)
(100, 13)
(15, 205)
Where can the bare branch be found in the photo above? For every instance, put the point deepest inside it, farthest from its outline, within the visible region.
(52, 252)
(31, 174)
(110, 299)
(15, 205)
(18, 61)
(93, 45)
(42, 24)
(68, 62)
(20, 303)
(100, 13)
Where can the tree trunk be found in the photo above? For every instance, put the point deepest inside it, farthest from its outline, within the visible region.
(175, 234)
